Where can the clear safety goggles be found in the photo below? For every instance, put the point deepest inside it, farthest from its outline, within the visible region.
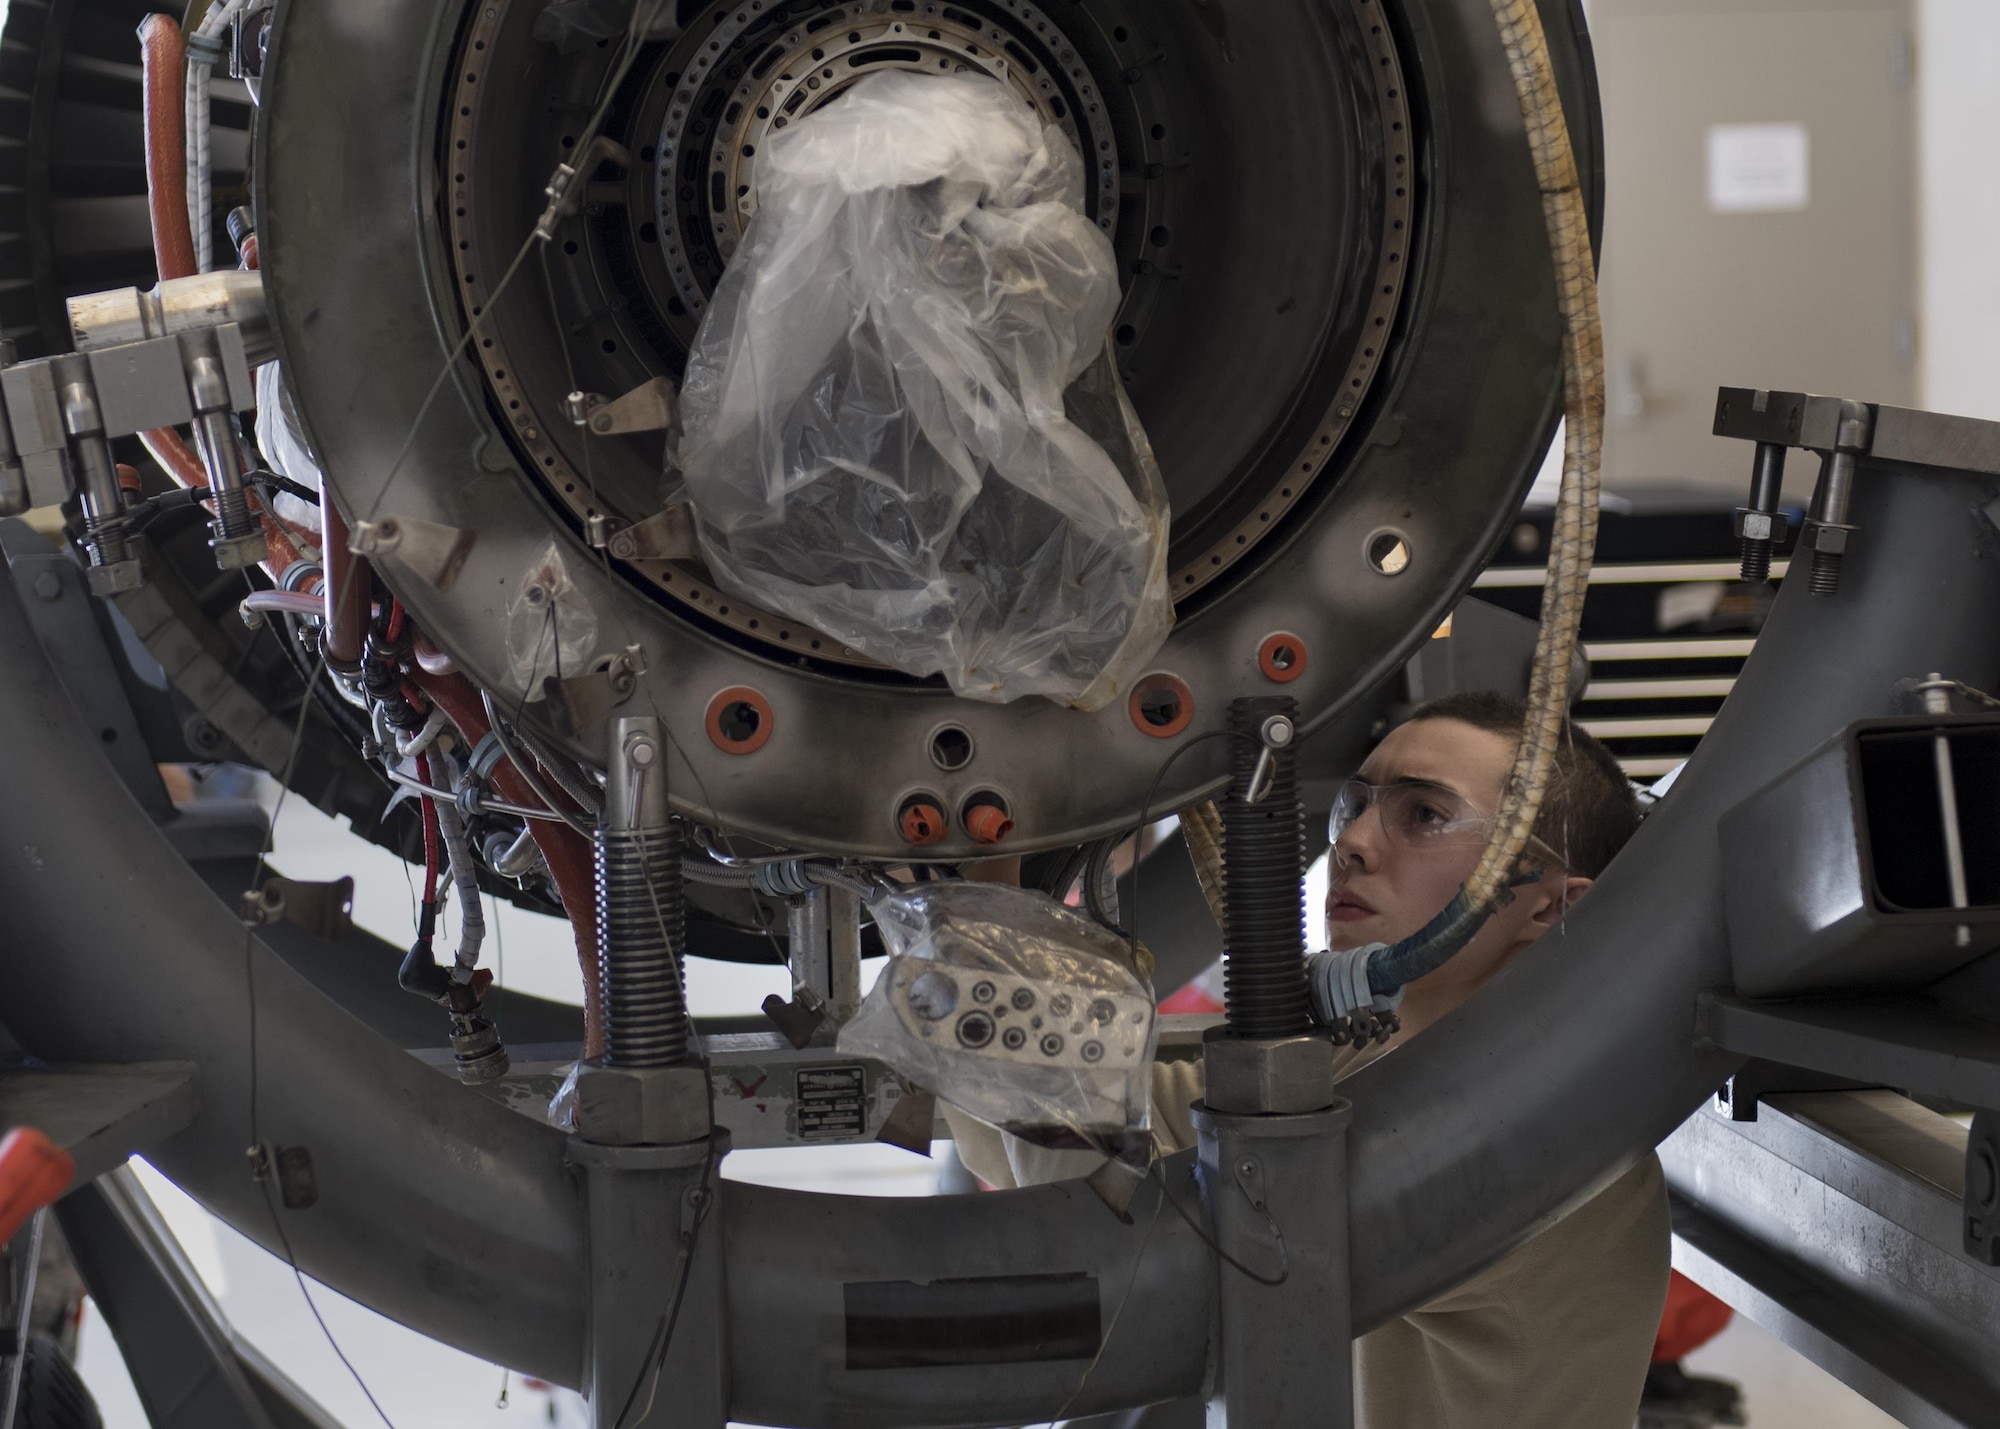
(1417, 814)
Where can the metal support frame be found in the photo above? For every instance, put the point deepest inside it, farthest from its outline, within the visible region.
(189, 1366)
(1276, 1187)
(19, 1258)
(1833, 1220)
(492, 1262)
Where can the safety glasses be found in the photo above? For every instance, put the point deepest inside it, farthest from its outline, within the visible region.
(1418, 814)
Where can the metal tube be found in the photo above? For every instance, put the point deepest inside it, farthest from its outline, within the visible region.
(96, 477)
(1275, 1188)
(1767, 484)
(1937, 701)
(237, 538)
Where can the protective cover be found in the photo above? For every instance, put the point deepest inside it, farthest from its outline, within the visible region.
(1013, 1008)
(899, 422)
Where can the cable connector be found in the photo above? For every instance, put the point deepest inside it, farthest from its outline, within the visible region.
(1342, 1001)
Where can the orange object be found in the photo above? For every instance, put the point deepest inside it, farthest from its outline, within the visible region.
(923, 822)
(1282, 657)
(987, 823)
(739, 720)
(128, 480)
(1693, 1317)
(34, 1171)
(1161, 705)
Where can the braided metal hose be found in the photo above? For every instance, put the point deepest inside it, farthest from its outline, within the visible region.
(1574, 539)
(1264, 985)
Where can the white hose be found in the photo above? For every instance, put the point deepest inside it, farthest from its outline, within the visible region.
(200, 69)
(464, 878)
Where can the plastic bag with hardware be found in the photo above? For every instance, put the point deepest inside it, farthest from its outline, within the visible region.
(899, 421)
(1015, 1009)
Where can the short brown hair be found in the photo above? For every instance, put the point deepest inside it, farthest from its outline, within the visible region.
(1589, 811)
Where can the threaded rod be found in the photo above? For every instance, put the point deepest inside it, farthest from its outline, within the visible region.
(1264, 956)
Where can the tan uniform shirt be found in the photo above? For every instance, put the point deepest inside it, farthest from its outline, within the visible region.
(1555, 1336)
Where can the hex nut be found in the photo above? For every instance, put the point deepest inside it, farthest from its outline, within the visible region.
(634, 1106)
(1832, 539)
(116, 577)
(241, 552)
(1274, 1075)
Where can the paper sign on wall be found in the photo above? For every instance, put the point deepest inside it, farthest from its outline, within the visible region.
(1759, 168)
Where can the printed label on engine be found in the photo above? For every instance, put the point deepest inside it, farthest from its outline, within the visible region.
(831, 1103)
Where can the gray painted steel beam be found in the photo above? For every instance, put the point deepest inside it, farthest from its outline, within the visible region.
(100, 1114)
(1833, 1221)
(1907, 1042)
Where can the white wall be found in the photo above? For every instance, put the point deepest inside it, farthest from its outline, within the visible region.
(1958, 80)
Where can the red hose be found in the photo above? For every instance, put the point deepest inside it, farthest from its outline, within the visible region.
(348, 597)
(162, 86)
(163, 77)
(567, 853)
(432, 836)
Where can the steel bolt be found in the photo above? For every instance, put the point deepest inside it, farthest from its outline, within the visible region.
(1825, 579)
(48, 585)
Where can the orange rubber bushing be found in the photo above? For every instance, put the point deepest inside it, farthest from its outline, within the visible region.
(987, 823)
(34, 1171)
(1147, 701)
(922, 822)
(128, 480)
(739, 720)
(1282, 657)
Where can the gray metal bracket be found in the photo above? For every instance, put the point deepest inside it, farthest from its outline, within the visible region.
(189, 1366)
(100, 1114)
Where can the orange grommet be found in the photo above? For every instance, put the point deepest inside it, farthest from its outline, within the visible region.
(1282, 657)
(128, 480)
(739, 720)
(34, 1171)
(987, 823)
(1161, 705)
(922, 822)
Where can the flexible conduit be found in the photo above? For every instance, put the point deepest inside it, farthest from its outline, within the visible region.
(1574, 538)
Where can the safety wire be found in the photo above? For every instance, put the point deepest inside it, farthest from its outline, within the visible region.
(643, 15)
(1104, 1340)
(265, 1170)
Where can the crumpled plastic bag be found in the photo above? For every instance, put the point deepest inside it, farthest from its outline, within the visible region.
(1015, 1009)
(899, 422)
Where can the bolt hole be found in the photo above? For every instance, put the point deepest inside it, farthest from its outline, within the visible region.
(1159, 708)
(1388, 553)
(739, 722)
(951, 748)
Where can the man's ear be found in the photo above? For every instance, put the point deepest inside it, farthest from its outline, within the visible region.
(1561, 896)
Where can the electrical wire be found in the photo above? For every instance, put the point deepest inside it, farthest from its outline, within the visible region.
(522, 764)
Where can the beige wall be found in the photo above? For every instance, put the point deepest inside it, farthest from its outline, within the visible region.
(1823, 299)
(1958, 85)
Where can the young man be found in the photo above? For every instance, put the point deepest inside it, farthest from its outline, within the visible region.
(1558, 1334)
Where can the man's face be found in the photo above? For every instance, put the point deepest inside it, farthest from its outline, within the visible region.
(1383, 890)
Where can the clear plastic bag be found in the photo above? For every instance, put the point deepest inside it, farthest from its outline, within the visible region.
(1014, 1009)
(899, 423)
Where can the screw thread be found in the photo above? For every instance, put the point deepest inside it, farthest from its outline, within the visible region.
(1756, 560)
(232, 514)
(105, 540)
(1264, 968)
(641, 934)
(1825, 572)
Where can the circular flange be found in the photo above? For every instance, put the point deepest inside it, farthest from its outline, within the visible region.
(750, 69)
(1418, 458)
